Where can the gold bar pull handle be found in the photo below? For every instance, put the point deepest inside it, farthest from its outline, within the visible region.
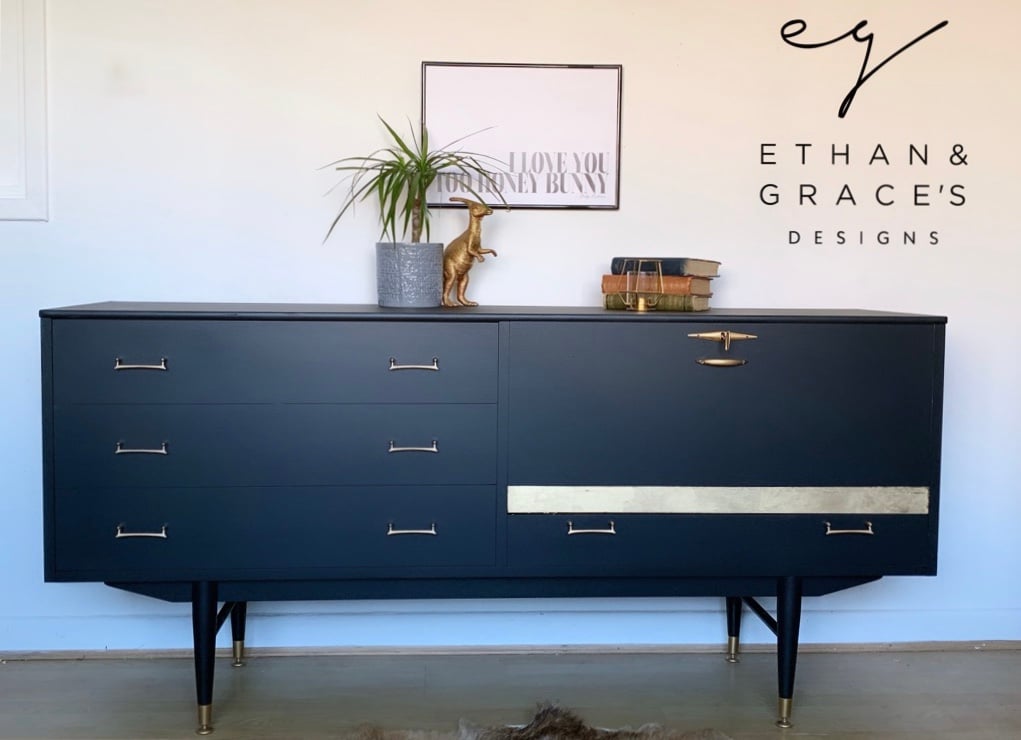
(434, 447)
(435, 366)
(721, 361)
(868, 530)
(120, 449)
(119, 364)
(723, 336)
(121, 534)
(572, 531)
(391, 532)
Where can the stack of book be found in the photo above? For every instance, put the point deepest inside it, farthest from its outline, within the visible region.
(686, 282)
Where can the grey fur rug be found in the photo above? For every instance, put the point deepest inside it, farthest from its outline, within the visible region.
(550, 723)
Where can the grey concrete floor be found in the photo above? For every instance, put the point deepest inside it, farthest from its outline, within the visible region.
(962, 694)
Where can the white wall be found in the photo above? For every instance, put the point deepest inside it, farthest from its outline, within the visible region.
(184, 142)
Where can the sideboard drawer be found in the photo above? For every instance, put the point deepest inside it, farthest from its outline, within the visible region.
(273, 444)
(680, 545)
(137, 361)
(280, 532)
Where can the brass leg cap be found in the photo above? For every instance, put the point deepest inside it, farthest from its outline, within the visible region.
(732, 650)
(205, 720)
(239, 653)
(784, 706)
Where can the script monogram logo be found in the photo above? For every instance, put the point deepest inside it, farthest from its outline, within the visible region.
(794, 28)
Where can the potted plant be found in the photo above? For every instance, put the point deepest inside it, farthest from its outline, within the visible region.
(409, 274)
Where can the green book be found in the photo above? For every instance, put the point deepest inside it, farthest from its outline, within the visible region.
(614, 302)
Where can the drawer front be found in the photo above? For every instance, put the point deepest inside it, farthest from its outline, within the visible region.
(129, 361)
(814, 404)
(170, 534)
(220, 445)
(665, 546)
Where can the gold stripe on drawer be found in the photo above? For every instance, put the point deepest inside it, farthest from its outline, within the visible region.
(718, 499)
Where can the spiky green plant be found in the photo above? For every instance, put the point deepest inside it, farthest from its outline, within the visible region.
(399, 176)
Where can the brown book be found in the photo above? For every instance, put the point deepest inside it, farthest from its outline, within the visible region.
(672, 284)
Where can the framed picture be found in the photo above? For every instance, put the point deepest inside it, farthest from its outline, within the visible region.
(552, 131)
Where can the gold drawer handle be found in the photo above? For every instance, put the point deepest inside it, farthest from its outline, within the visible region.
(572, 531)
(721, 361)
(723, 336)
(868, 530)
(119, 364)
(431, 448)
(121, 534)
(391, 532)
(434, 366)
(120, 449)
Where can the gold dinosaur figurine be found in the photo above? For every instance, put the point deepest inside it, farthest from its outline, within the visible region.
(461, 254)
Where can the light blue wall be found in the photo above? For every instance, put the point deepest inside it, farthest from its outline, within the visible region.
(184, 141)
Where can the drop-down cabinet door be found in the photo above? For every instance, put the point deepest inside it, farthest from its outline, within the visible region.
(716, 448)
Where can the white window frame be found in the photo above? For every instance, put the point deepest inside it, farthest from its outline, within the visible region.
(23, 180)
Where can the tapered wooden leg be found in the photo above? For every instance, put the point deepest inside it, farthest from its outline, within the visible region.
(734, 605)
(203, 620)
(788, 618)
(237, 630)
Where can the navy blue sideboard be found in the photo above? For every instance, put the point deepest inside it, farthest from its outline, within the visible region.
(228, 453)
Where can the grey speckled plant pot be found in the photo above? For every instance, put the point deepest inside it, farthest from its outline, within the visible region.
(409, 275)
